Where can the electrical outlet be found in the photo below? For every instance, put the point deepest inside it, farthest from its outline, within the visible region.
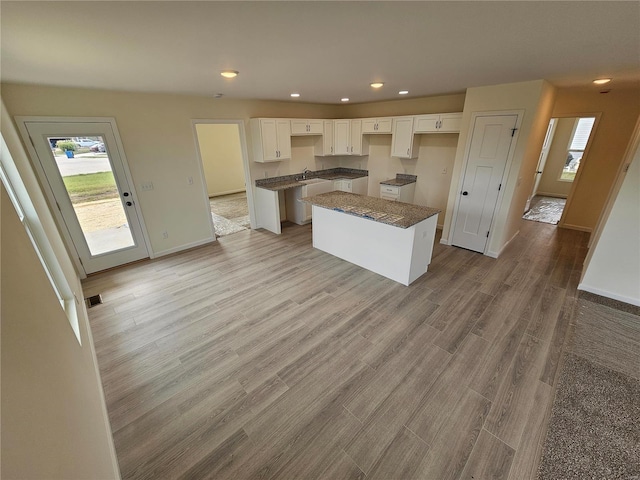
(190, 180)
(147, 186)
(444, 171)
(165, 234)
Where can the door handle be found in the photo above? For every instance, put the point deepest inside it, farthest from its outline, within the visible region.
(129, 204)
(465, 193)
(539, 171)
(125, 194)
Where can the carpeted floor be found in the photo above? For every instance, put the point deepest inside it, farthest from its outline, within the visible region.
(545, 209)
(594, 430)
(230, 213)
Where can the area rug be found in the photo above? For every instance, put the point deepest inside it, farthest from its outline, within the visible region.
(594, 431)
(545, 210)
(224, 226)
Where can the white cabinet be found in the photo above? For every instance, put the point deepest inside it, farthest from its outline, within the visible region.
(359, 185)
(441, 123)
(324, 144)
(404, 144)
(348, 139)
(271, 138)
(298, 211)
(376, 125)
(398, 193)
(306, 127)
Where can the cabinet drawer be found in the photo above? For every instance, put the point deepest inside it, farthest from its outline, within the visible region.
(388, 189)
(393, 198)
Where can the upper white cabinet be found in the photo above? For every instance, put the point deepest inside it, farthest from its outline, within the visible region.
(404, 144)
(348, 139)
(440, 123)
(306, 127)
(324, 145)
(271, 139)
(376, 125)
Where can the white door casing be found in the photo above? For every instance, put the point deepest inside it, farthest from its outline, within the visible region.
(36, 131)
(537, 176)
(487, 157)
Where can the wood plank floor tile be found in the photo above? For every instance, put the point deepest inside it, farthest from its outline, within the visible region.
(491, 459)
(258, 356)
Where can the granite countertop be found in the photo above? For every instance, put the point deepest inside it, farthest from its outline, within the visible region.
(292, 181)
(398, 214)
(400, 180)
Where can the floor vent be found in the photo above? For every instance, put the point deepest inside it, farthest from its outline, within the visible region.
(93, 300)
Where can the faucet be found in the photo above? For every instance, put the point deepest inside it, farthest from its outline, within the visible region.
(304, 173)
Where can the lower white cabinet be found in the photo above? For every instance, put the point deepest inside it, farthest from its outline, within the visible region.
(398, 193)
(359, 186)
(298, 211)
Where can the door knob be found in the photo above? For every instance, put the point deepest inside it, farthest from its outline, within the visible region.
(465, 193)
(129, 204)
(125, 194)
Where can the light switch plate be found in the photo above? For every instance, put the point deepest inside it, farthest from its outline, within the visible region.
(147, 186)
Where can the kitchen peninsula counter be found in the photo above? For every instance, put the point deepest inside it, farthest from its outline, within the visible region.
(392, 239)
(397, 214)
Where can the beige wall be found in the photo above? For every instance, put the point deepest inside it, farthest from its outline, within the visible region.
(409, 106)
(535, 99)
(221, 156)
(54, 420)
(160, 147)
(556, 159)
(619, 108)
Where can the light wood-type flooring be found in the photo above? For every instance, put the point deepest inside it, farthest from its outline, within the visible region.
(260, 357)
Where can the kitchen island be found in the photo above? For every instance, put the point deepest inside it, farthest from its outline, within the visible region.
(392, 239)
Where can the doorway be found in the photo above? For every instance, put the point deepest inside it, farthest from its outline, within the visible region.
(564, 151)
(221, 156)
(83, 171)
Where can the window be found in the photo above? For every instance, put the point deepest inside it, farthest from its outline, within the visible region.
(577, 145)
(26, 213)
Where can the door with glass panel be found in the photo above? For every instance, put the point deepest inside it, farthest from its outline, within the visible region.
(84, 172)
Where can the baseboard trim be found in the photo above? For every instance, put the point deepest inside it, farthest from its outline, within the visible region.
(493, 254)
(552, 195)
(181, 248)
(611, 295)
(575, 227)
(229, 192)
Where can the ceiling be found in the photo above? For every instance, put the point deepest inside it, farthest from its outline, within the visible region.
(322, 50)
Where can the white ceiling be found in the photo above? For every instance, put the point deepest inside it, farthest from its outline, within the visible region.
(323, 50)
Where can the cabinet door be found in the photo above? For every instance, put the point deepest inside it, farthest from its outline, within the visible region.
(299, 127)
(402, 140)
(283, 128)
(356, 137)
(384, 125)
(327, 139)
(369, 125)
(450, 122)
(315, 127)
(426, 123)
(361, 186)
(341, 137)
(269, 135)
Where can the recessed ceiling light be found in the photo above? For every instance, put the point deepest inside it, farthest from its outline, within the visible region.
(345, 99)
(377, 85)
(403, 92)
(601, 81)
(229, 73)
(295, 95)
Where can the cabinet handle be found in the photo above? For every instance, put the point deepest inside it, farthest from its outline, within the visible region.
(407, 151)
(351, 149)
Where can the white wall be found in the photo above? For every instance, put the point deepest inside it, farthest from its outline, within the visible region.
(612, 268)
(221, 155)
(535, 99)
(556, 160)
(54, 420)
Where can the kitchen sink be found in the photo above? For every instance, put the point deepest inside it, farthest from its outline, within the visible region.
(309, 181)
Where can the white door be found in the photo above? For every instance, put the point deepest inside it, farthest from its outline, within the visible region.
(90, 188)
(542, 161)
(490, 143)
